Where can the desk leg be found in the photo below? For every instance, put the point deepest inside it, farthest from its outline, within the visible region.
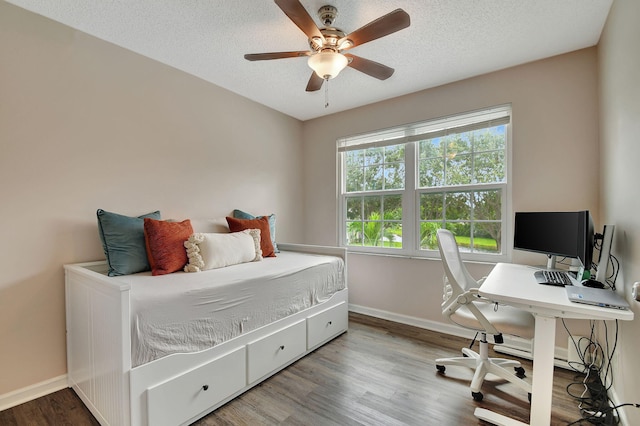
(541, 382)
(542, 379)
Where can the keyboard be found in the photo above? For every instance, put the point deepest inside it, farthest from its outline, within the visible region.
(552, 278)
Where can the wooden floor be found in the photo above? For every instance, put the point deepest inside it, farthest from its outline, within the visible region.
(378, 373)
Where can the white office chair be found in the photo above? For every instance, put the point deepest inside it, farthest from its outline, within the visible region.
(464, 307)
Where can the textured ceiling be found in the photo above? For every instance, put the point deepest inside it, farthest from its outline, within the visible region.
(448, 40)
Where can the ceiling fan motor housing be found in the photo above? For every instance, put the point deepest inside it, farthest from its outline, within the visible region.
(331, 37)
(327, 15)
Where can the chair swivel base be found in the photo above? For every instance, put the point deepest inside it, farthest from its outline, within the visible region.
(483, 366)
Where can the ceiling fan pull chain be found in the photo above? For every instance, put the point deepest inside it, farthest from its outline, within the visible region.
(326, 93)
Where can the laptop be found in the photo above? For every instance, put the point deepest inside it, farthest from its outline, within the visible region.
(603, 297)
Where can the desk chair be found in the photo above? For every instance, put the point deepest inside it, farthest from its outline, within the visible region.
(464, 307)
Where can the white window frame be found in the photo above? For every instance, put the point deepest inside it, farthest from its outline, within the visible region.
(410, 135)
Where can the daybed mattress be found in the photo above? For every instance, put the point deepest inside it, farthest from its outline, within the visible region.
(189, 312)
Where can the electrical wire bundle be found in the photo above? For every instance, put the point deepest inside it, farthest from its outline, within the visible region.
(592, 390)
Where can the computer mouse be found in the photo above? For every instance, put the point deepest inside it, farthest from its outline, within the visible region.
(592, 283)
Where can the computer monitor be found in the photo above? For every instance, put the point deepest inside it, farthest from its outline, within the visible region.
(605, 251)
(567, 234)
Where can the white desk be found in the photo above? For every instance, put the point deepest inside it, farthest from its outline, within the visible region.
(516, 286)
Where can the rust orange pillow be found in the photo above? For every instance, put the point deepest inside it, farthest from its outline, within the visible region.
(262, 223)
(165, 245)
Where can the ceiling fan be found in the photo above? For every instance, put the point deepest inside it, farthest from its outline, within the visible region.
(327, 44)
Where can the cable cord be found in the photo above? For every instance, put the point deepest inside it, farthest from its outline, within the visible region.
(592, 385)
(474, 340)
(603, 417)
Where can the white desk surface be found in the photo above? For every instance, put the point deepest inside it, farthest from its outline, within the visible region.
(515, 285)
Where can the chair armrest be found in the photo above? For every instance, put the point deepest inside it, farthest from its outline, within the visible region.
(466, 299)
(453, 302)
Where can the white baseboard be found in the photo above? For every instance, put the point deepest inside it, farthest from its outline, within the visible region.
(416, 322)
(615, 399)
(512, 345)
(29, 393)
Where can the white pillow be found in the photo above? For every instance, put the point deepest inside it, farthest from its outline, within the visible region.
(210, 251)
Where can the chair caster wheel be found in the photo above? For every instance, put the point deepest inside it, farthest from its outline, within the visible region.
(440, 368)
(477, 396)
(519, 372)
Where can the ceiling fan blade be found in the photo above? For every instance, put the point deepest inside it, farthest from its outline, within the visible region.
(315, 83)
(275, 55)
(384, 25)
(299, 15)
(369, 67)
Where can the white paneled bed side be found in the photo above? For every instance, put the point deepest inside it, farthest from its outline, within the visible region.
(181, 387)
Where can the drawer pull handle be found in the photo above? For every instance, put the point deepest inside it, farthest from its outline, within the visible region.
(205, 387)
(329, 323)
(282, 347)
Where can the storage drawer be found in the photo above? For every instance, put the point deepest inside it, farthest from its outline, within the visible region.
(327, 324)
(271, 352)
(180, 399)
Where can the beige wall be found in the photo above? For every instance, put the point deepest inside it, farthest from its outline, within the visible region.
(619, 62)
(87, 125)
(554, 166)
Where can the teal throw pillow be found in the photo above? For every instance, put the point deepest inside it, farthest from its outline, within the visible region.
(239, 214)
(123, 242)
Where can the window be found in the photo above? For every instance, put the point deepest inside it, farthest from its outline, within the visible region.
(398, 186)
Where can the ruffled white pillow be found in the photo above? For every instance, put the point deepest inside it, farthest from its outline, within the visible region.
(211, 251)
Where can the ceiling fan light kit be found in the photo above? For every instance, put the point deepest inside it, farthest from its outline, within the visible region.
(326, 44)
(327, 64)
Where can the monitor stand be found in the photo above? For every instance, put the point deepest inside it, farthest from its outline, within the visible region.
(605, 251)
(551, 262)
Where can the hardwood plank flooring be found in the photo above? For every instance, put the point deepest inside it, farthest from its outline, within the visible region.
(378, 373)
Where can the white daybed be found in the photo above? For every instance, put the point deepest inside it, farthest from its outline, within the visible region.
(178, 388)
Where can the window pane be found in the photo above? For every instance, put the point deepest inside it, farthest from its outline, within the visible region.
(394, 153)
(373, 156)
(372, 207)
(487, 205)
(457, 144)
(431, 206)
(394, 167)
(355, 171)
(458, 169)
(431, 148)
(392, 207)
(487, 237)
(394, 176)
(372, 233)
(489, 167)
(431, 173)
(488, 211)
(374, 221)
(462, 231)
(354, 208)
(458, 206)
(476, 213)
(490, 139)
(375, 169)
(373, 178)
(428, 239)
(465, 158)
(354, 233)
(393, 234)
